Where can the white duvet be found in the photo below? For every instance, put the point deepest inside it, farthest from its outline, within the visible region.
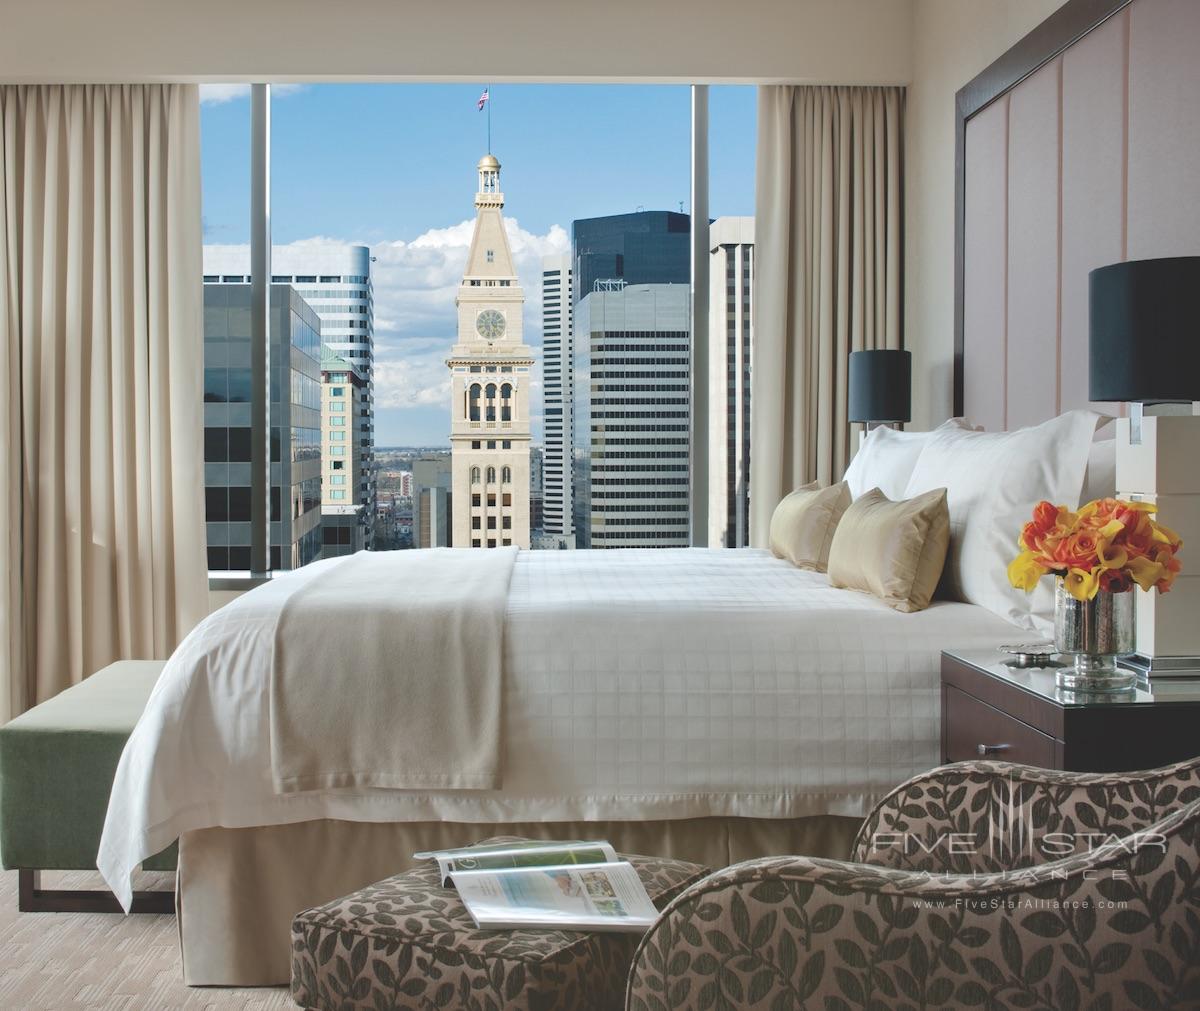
(639, 684)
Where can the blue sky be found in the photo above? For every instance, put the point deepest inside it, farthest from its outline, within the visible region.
(393, 166)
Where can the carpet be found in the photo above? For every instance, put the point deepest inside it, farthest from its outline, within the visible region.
(103, 961)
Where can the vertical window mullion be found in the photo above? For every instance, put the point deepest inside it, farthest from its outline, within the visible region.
(260, 329)
(699, 322)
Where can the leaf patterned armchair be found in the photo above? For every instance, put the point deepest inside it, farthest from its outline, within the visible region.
(981, 884)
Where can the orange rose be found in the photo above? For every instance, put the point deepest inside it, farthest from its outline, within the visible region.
(1077, 551)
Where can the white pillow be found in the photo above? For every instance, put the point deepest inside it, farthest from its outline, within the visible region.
(886, 460)
(993, 480)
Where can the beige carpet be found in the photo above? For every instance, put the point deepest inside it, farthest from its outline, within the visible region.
(102, 961)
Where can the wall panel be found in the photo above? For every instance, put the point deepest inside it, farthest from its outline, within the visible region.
(1164, 128)
(1093, 194)
(986, 265)
(1034, 150)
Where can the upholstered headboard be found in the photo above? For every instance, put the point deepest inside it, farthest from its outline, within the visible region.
(1079, 147)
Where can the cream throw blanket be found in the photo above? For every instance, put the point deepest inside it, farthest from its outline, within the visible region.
(387, 673)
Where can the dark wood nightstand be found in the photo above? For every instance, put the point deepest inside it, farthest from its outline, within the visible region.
(991, 710)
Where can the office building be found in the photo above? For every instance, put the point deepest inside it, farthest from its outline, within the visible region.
(537, 477)
(432, 501)
(489, 385)
(730, 352)
(336, 283)
(344, 522)
(557, 314)
(295, 418)
(646, 247)
(632, 375)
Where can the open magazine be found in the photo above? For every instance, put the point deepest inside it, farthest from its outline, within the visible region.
(562, 885)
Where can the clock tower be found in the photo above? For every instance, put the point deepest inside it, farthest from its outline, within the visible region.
(489, 386)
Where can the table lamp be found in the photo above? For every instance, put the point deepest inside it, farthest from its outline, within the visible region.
(880, 387)
(1144, 348)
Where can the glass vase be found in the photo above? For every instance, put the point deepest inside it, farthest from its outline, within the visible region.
(1095, 632)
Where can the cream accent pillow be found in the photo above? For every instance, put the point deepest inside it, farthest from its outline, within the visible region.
(894, 550)
(803, 523)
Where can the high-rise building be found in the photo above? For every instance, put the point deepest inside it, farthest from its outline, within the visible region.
(295, 419)
(537, 479)
(336, 283)
(647, 247)
(432, 501)
(632, 376)
(489, 385)
(557, 314)
(344, 523)
(730, 352)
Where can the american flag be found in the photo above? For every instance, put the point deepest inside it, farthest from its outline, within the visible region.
(482, 99)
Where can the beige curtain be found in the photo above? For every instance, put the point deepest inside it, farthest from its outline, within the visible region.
(101, 410)
(828, 249)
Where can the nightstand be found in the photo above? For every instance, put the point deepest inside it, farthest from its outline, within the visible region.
(993, 710)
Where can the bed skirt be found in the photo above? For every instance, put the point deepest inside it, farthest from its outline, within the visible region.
(238, 889)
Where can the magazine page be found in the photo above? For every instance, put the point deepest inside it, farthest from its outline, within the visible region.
(602, 896)
(527, 853)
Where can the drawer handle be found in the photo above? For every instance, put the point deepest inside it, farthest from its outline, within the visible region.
(992, 749)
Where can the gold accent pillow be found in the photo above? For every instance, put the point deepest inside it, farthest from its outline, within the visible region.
(803, 523)
(894, 550)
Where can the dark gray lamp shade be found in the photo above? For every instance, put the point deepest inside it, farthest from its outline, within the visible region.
(880, 386)
(1144, 331)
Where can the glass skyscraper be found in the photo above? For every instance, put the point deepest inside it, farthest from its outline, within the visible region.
(295, 413)
(646, 247)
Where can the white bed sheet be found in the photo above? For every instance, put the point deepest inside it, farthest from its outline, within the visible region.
(639, 684)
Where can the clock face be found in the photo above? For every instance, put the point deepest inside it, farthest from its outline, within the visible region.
(490, 324)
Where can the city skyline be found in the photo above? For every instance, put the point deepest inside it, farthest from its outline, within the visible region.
(411, 210)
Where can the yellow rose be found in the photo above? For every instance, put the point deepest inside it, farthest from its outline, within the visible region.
(1024, 572)
(1082, 584)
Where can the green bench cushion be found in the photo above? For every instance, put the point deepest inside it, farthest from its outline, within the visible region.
(57, 764)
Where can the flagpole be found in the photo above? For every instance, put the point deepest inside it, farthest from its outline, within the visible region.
(489, 112)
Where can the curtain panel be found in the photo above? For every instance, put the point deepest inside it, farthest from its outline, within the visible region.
(101, 401)
(828, 257)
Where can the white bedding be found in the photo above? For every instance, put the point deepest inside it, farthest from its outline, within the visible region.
(639, 684)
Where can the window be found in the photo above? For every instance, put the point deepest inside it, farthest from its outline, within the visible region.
(337, 494)
(338, 464)
(474, 475)
(396, 388)
(475, 522)
(337, 479)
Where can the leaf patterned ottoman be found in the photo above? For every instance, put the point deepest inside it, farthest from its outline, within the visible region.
(406, 942)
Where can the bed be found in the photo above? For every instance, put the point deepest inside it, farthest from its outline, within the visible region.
(713, 704)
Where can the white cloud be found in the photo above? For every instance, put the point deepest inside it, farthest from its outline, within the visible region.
(415, 318)
(218, 94)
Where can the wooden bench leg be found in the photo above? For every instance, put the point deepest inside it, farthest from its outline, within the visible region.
(33, 898)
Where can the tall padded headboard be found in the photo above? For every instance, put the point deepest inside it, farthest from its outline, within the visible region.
(1079, 147)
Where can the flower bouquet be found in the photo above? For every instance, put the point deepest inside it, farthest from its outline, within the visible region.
(1097, 554)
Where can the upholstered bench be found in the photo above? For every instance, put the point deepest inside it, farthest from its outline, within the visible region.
(406, 942)
(57, 763)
